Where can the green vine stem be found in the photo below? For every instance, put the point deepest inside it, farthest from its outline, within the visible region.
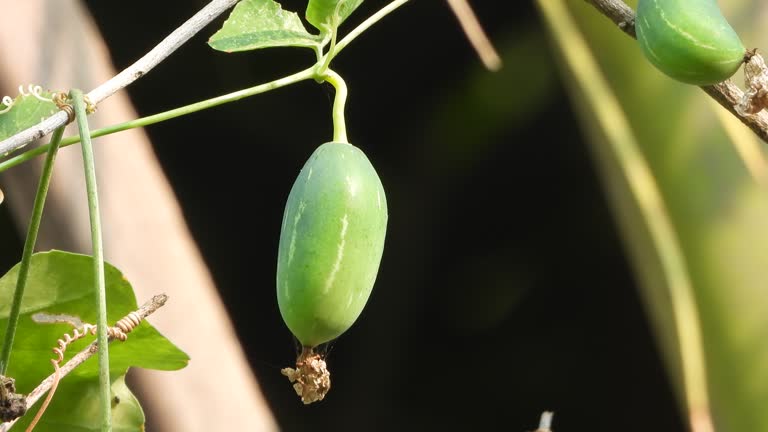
(339, 101)
(303, 75)
(102, 335)
(29, 247)
(23, 137)
(325, 62)
(317, 71)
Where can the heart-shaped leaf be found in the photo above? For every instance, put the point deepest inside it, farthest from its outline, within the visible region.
(62, 283)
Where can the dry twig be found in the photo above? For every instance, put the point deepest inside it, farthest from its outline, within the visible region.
(135, 71)
(475, 34)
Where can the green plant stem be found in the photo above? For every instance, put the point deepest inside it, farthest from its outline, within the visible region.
(339, 101)
(305, 74)
(357, 31)
(29, 247)
(98, 257)
(325, 62)
(625, 149)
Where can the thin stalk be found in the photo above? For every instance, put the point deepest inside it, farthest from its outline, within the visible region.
(102, 335)
(167, 115)
(373, 19)
(326, 61)
(626, 150)
(29, 247)
(474, 31)
(339, 101)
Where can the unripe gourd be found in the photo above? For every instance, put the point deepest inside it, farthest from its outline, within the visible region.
(331, 243)
(689, 40)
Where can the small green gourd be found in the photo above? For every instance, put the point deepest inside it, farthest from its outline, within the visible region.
(688, 40)
(331, 243)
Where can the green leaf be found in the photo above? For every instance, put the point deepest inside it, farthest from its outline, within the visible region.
(26, 111)
(75, 408)
(320, 12)
(255, 24)
(62, 283)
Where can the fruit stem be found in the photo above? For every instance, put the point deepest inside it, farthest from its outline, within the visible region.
(306, 352)
(339, 101)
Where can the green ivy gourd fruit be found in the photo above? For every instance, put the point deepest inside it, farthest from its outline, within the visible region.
(689, 40)
(331, 243)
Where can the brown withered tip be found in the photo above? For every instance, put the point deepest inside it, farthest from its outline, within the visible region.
(756, 82)
(749, 54)
(311, 379)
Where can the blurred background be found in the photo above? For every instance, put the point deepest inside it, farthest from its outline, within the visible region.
(505, 288)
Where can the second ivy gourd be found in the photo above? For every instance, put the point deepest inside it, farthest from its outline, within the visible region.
(688, 40)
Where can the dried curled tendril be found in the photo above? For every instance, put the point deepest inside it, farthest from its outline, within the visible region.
(119, 331)
(61, 100)
(31, 90)
(756, 82)
(311, 379)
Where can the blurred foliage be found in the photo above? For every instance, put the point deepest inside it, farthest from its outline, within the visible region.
(712, 178)
(472, 115)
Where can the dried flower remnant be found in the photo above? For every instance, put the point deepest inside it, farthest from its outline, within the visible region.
(311, 378)
(756, 81)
